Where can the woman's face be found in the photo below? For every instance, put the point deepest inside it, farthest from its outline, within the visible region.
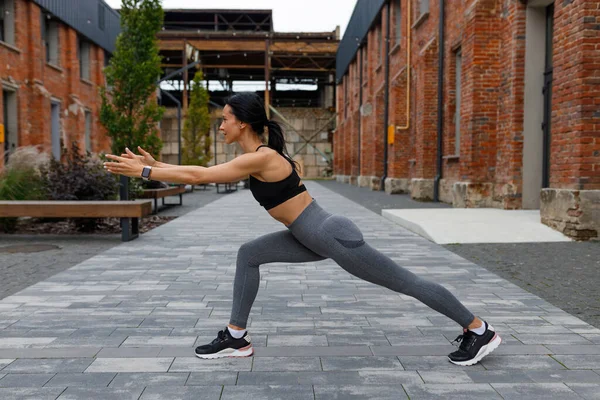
(230, 126)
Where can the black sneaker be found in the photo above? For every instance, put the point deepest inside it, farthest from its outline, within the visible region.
(474, 347)
(226, 345)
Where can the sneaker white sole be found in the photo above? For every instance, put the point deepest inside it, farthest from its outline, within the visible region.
(484, 351)
(243, 352)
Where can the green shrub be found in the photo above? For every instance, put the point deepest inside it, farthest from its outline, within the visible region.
(79, 177)
(21, 180)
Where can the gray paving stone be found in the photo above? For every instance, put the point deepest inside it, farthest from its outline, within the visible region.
(83, 352)
(304, 351)
(534, 391)
(537, 362)
(587, 391)
(429, 350)
(452, 377)
(387, 377)
(131, 380)
(268, 392)
(437, 363)
(564, 376)
(499, 376)
(177, 352)
(81, 380)
(590, 361)
(182, 393)
(4, 362)
(30, 393)
(48, 366)
(296, 340)
(356, 392)
(130, 365)
(78, 393)
(572, 338)
(286, 364)
(128, 352)
(298, 378)
(464, 391)
(182, 364)
(212, 378)
(25, 380)
(158, 341)
(360, 363)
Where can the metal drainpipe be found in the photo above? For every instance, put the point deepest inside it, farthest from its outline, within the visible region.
(440, 121)
(386, 97)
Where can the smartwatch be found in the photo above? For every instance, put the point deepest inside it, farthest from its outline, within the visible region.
(146, 173)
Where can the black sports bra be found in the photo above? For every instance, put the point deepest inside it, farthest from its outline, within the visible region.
(272, 194)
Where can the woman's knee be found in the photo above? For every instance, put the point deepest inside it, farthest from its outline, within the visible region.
(245, 254)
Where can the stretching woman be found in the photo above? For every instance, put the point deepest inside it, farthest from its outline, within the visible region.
(312, 233)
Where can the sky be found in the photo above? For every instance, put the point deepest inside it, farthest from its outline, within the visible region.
(288, 15)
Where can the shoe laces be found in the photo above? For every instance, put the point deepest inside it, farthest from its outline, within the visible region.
(465, 340)
(220, 337)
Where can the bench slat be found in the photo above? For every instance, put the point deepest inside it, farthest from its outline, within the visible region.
(162, 192)
(76, 209)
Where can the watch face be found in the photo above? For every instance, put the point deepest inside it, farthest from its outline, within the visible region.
(145, 172)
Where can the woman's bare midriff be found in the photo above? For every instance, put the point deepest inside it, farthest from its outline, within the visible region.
(289, 210)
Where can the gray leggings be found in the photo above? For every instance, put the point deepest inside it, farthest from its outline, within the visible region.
(316, 235)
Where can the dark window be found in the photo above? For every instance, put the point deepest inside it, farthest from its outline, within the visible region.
(7, 21)
(398, 21)
(380, 42)
(424, 6)
(101, 16)
(2, 20)
(84, 58)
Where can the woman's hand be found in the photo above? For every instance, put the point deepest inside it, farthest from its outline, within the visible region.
(146, 157)
(130, 165)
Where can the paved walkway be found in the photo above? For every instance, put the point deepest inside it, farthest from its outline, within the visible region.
(123, 324)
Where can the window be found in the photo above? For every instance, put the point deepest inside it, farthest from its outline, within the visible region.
(101, 16)
(2, 25)
(457, 112)
(346, 78)
(365, 56)
(84, 59)
(398, 18)
(49, 29)
(380, 42)
(424, 6)
(88, 131)
(7, 21)
(55, 129)
(9, 112)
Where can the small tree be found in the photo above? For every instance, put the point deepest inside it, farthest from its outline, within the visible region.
(129, 112)
(196, 128)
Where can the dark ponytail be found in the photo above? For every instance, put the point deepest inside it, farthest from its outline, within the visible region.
(248, 107)
(277, 142)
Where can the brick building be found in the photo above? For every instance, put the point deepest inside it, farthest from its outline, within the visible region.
(507, 117)
(52, 56)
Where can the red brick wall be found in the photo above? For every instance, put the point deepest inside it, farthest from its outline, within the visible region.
(491, 35)
(24, 65)
(575, 147)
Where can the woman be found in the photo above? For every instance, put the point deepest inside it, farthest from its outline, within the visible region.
(312, 233)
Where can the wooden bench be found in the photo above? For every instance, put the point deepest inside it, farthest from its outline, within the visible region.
(229, 186)
(129, 211)
(161, 193)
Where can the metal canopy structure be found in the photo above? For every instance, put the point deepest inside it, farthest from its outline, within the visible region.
(241, 45)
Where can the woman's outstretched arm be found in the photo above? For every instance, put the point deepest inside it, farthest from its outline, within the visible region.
(231, 171)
